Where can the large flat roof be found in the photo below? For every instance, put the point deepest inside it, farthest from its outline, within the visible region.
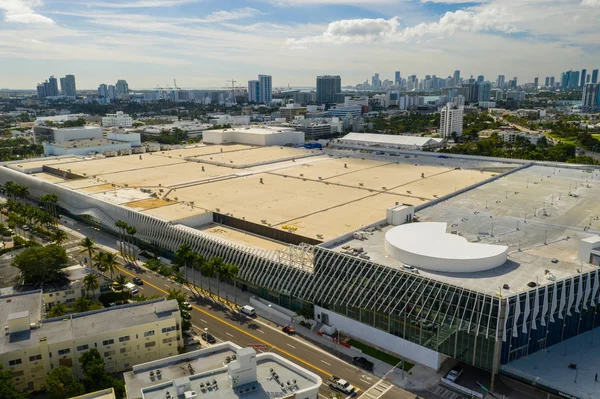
(315, 194)
(529, 211)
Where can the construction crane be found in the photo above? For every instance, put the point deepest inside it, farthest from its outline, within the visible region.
(163, 91)
(233, 88)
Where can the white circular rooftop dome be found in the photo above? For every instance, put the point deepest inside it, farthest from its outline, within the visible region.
(427, 245)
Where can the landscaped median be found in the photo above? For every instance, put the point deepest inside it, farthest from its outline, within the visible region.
(377, 354)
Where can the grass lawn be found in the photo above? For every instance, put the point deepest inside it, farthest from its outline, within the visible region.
(377, 354)
(561, 139)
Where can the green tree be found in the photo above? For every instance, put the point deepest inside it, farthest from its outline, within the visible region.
(98, 261)
(59, 236)
(122, 226)
(219, 267)
(183, 257)
(61, 384)
(7, 387)
(85, 303)
(208, 271)
(121, 280)
(57, 310)
(90, 283)
(41, 265)
(110, 262)
(89, 245)
(131, 232)
(95, 377)
(177, 294)
(49, 202)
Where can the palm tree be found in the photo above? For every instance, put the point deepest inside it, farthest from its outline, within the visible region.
(184, 255)
(60, 236)
(220, 268)
(176, 294)
(90, 283)
(208, 270)
(121, 225)
(98, 261)
(131, 231)
(88, 245)
(121, 280)
(110, 262)
(230, 273)
(199, 262)
(49, 201)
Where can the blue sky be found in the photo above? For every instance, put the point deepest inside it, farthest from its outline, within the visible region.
(202, 43)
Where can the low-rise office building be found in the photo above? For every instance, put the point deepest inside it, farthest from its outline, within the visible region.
(73, 289)
(124, 335)
(254, 135)
(117, 120)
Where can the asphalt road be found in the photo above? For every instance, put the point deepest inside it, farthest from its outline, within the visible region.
(227, 325)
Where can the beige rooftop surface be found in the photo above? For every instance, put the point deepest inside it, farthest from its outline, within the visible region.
(241, 237)
(50, 161)
(201, 150)
(254, 155)
(168, 175)
(98, 167)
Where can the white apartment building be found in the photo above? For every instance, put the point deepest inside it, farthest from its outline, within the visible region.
(74, 289)
(117, 120)
(511, 136)
(451, 120)
(124, 335)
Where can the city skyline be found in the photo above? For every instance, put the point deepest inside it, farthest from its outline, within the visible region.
(203, 44)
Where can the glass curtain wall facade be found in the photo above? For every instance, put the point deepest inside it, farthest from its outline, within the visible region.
(550, 314)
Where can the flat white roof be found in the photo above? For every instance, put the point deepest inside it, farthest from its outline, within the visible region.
(428, 245)
(264, 130)
(390, 139)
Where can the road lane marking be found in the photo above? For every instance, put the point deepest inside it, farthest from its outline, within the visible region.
(262, 341)
(260, 331)
(228, 334)
(365, 381)
(204, 321)
(323, 361)
(291, 346)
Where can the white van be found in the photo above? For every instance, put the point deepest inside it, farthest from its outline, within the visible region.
(248, 310)
(132, 289)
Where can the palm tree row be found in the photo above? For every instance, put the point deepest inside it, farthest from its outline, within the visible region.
(126, 236)
(21, 213)
(14, 191)
(215, 267)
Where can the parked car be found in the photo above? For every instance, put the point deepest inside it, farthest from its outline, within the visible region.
(187, 305)
(248, 310)
(288, 329)
(209, 338)
(363, 363)
(454, 374)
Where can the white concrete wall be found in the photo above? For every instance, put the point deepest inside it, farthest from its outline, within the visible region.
(409, 350)
(68, 134)
(586, 246)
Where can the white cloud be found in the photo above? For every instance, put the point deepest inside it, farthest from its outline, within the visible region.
(301, 3)
(143, 4)
(22, 11)
(591, 3)
(378, 30)
(239, 13)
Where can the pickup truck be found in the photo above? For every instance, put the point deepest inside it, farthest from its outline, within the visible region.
(454, 374)
(340, 385)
